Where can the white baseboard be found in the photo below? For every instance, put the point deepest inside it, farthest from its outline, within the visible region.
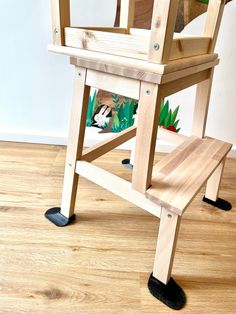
(92, 137)
(33, 138)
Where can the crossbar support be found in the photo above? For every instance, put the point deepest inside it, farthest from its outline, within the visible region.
(104, 147)
(116, 185)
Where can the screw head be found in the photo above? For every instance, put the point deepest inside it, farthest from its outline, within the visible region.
(148, 92)
(57, 32)
(156, 46)
(169, 216)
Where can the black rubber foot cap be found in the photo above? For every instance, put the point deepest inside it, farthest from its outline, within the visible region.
(127, 164)
(220, 203)
(171, 294)
(55, 216)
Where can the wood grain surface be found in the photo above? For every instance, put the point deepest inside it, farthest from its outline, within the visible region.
(178, 177)
(101, 264)
(188, 10)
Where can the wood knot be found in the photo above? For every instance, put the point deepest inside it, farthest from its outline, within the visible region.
(52, 294)
(158, 22)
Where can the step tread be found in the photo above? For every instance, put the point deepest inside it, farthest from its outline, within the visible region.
(179, 175)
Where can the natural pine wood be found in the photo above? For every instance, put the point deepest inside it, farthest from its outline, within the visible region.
(146, 134)
(166, 245)
(60, 19)
(75, 140)
(213, 20)
(213, 184)
(134, 45)
(162, 30)
(127, 13)
(158, 46)
(116, 84)
(178, 177)
(105, 146)
(116, 185)
(202, 100)
(187, 11)
(101, 264)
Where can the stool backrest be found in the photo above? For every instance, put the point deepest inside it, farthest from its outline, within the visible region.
(187, 11)
(164, 15)
(162, 46)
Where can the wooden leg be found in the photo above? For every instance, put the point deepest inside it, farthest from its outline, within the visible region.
(166, 244)
(201, 106)
(148, 112)
(213, 183)
(75, 141)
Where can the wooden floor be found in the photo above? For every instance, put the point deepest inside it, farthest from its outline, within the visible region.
(101, 263)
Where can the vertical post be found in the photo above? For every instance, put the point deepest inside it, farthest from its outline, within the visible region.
(75, 141)
(203, 94)
(213, 20)
(166, 245)
(127, 14)
(60, 20)
(146, 136)
(213, 183)
(162, 31)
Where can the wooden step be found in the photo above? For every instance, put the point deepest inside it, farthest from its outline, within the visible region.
(178, 177)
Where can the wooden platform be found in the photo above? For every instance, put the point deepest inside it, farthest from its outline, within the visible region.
(178, 177)
(136, 69)
(100, 264)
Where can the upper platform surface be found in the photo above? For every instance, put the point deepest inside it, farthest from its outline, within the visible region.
(136, 68)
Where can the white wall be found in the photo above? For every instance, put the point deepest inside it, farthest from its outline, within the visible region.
(36, 86)
(221, 119)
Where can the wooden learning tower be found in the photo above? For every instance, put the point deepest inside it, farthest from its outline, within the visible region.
(146, 65)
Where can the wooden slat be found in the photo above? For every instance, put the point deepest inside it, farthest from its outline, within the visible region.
(178, 177)
(166, 245)
(127, 66)
(186, 72)
(127, 13)
(162, 31)
(184, 63)
(192, 9)
(147, 124)
(202, 100)
(112, 83)
(213, 183)
(75, 141)
(60, 19)
(117, 186)
(187, 11)
(147, 75)
(133, 46)
(213, 20)
(184, 47)
(182, 83)
(104, 147)
(118, 30)
(113, 43)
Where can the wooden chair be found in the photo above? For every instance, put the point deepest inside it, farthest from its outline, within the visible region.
(147, 65)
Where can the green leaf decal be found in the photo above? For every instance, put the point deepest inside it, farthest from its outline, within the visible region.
(164, 113)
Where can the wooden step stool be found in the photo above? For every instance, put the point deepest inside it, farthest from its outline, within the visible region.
(146, 65)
